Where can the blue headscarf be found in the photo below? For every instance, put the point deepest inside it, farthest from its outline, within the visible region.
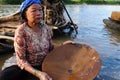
(27, 3)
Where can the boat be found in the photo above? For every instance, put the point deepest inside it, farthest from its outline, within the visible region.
(6, 45)
(113, 22)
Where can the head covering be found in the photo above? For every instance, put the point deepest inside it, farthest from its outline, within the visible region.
(27, 3)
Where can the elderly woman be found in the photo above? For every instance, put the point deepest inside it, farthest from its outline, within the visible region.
(32, 42)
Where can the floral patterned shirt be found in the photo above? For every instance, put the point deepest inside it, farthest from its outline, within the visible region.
(31, 47)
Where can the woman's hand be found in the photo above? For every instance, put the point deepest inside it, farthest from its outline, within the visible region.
(43, 76)
(68, 42)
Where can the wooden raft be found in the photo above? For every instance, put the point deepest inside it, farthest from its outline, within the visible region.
(72, 62)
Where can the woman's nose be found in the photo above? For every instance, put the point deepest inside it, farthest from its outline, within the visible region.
(39, 13)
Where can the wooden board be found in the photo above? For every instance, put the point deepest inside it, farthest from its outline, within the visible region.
(72, 62)
(115, 15)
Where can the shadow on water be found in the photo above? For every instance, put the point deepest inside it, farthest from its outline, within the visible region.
(61, 37)
(114, 34)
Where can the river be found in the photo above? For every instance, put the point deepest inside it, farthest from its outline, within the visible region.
(91, 31)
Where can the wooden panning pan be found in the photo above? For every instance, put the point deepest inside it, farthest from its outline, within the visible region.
(72, 62)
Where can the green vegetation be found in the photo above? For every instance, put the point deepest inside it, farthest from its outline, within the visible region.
(10, 1)
(93, 1)
(69, 1)
(72, 1)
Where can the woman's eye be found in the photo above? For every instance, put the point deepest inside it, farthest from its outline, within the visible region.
(40, 9)
(33, 10)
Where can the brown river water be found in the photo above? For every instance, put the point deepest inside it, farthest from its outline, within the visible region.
(91, 31)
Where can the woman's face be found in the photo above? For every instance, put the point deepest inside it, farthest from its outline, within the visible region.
(34, 14)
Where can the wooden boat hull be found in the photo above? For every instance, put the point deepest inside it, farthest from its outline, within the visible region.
(6, 45)
(8, 24)
(112, 24)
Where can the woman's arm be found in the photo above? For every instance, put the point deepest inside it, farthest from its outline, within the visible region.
(66, 42)
(41, 75)
(20, 50)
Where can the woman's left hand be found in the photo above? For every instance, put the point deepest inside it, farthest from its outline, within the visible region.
(43, 76)
(68, 42)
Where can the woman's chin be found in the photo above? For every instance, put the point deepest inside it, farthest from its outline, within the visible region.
(37, 22)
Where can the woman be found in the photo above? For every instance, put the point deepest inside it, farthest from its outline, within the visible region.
(32, 42)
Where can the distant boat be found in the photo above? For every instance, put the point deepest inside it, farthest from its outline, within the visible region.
(113, 22)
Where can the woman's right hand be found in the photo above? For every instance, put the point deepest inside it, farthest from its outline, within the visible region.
(43, 76)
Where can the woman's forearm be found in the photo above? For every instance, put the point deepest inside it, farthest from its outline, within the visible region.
(30, 69)
(41, 75)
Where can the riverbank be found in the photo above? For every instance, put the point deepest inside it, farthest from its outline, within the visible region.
(92, 1)
(68, 1)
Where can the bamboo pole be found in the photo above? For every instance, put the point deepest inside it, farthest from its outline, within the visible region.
(74, 25)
